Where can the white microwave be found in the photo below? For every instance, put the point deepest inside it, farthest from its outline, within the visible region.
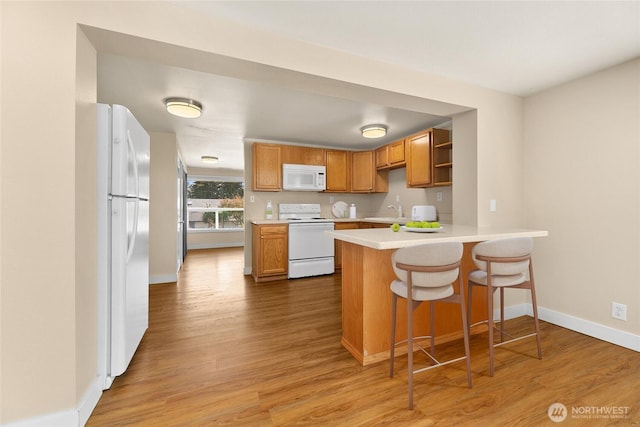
(303, 177)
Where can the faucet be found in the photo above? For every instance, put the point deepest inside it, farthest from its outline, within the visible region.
(399, 209)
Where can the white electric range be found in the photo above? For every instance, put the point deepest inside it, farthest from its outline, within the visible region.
(311, 252)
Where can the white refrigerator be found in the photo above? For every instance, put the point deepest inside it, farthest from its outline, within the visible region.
(123, 239)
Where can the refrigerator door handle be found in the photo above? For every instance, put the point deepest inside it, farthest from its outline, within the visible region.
(132, 242)
(134, 159)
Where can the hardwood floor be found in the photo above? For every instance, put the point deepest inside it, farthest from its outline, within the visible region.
(222, 350)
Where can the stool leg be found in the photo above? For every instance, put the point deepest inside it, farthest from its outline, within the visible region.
(534, 306)
(469, 304)
(410, 341)
(432, 322)
(394, 302)
(490, 291)
(465, 332)
(501, 314)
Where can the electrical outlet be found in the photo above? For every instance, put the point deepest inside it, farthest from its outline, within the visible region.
(439, 196)
(252, 199)
(332, 199)
(618, 311)
(398, 198)
(492, 205)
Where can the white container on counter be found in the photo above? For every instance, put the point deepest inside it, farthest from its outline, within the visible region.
(269, 210)
(352, 211)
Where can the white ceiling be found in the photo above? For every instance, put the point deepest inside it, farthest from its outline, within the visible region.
(517, 47)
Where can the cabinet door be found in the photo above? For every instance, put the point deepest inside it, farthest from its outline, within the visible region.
(363, 171)
(338, 170)
(273, 252)
(396, 153)
(299, 155)
(382, 157)
(267, 167)
(419, 159)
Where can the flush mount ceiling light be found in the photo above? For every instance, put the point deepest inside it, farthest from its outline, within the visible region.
(183, 107)
(209, 159)
(373, 131)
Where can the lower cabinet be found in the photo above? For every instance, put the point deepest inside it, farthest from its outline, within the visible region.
(338, 243)
(270, 256)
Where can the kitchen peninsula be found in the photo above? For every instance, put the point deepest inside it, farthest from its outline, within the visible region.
(367, 274)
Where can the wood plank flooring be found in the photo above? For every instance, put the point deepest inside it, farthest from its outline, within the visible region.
(222, 350)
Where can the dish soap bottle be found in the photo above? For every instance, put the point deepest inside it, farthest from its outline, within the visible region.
(269, 210)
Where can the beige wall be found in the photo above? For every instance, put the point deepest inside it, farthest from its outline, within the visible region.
(583, 184)
(85, 215)
(163, 208)
(46, 359)
(41, 276)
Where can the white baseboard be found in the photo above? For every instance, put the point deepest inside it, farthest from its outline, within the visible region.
(586, 327)
(89, 401)
(163, 278)
(215, 245)
(69, 418)
(59, 419)
(592, 329)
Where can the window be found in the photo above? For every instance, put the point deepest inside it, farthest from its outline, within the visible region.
(215, 203)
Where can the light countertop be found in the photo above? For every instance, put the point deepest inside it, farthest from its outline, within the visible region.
(284, 221)
(385, 238)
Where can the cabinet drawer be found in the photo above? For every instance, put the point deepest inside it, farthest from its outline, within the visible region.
(273, 229)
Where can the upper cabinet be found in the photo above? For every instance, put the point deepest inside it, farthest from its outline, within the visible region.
(267, 167)
(268, 160)
(422, 149)
(427, 156)
(443, 163)
(391, 156)
(338, 163)
(298, 155)
(364, 176)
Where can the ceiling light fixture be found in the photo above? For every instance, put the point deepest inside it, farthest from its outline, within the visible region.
(373, 131)
(209, 159)
(183, 107)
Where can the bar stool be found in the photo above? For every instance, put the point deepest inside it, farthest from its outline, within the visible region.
(426, 273)
(504, 263)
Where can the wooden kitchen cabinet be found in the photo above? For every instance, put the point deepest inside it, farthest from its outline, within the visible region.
(338, 164)
(299, 155)
(267, 167)
(443, 163)
(337, 261)
(270, 255)
(420, 156)
(365, 178)
(391, 156)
